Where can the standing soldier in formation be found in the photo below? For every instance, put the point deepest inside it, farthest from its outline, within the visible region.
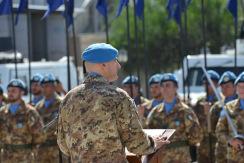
(202, 109)
(98, 120)
(156, 93)
(20, 126)
(173, 113)
(36, 89)
(235, 108)
(132, 86)
(226, 83)
(48, 109)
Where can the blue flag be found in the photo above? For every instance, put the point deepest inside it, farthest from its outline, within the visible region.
(23, 4)
(122, 4)
(102, 7)
(174, 12)
(5, 7)
(232, 7)
(139, 8)
(68, 14)
(53, 5)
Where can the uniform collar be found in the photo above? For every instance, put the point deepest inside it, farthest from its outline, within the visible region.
(95, 77)
(230, 98)
(242, 104)
(169, 106)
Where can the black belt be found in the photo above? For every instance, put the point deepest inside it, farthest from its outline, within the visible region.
(177, 144)
(49, 143)
(17, 146)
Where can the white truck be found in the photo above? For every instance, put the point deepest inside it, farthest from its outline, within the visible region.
(58, 68)
(193, 72)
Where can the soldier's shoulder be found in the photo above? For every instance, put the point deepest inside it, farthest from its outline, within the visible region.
(232, 104)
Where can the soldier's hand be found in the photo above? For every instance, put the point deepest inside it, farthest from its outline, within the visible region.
(141, 110)
(206, 107)
(159, 141)
(236, 144)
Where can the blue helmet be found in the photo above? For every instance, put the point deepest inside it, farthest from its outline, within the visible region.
(37, 78)
(99, 53)
(169, 77)
(227, 76)
(131, 80)
(155, 79)
(212, 74)
(240, 78)
(17, 83)
(48, 78)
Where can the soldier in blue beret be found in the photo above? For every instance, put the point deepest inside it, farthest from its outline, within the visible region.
(20, 126)
(226, 82)
(97, 119)
(36, 89)
(174, 113)
(48, 108)
(132, 86)
(156, 94)
(202, 110)
(224, 134)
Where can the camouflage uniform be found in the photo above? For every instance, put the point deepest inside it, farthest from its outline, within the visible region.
(220, 149)
(224, 132)
(97, 121)
(49, 151)
(203, 150)
(188, 131)
(19, 133)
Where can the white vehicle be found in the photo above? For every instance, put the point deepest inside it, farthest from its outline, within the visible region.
(58, 68)
(219, 63)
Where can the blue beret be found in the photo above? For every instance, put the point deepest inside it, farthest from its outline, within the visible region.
(130, 80)
(17, 83)
(37, 78)
(240, 78)
(227, 76)
(99, 53)
(212, 74)
(155, 79)
(48, 78)
(169, 77)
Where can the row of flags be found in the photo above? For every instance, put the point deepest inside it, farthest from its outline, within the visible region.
(174, 8)
(6, 8)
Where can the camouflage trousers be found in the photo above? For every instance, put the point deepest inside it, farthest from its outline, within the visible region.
(235, 156)
(47, 154)
(14, 156)
(220, 153)
(203, 151)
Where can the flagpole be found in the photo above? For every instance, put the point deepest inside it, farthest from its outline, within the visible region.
(235, 38)
(182, 51)
(136, 49)
(75, 52)
(204, 33)
(145, 49)
(106, 27)
(128, 43)
(13, 41)
(29, 32)
(67, 46)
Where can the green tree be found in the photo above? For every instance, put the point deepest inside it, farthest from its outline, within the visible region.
(162, 35)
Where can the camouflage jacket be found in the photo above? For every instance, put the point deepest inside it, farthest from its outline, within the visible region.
(188, 131)
(224, 132)
(21, 128)
(97, 121)
(202, 117)
(48, 114)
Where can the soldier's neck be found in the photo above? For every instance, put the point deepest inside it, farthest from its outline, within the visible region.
(169, 99)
